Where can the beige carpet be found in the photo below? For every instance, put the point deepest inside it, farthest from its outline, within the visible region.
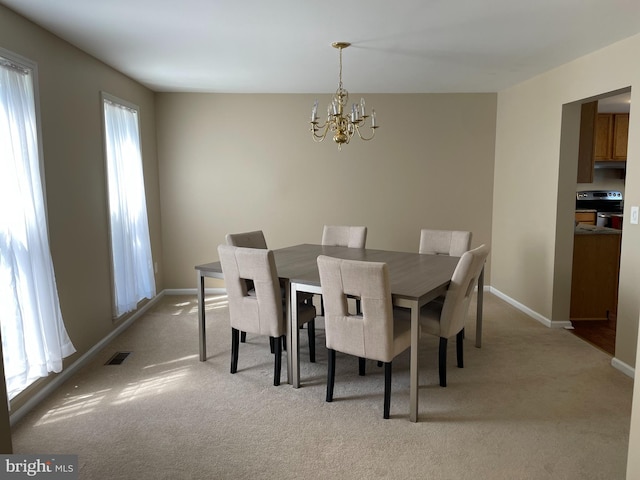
(533, 403)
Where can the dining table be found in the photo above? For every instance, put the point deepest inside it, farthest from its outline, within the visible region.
(415, 279)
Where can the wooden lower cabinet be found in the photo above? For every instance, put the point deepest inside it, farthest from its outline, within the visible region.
(594, 279)
(586, 217)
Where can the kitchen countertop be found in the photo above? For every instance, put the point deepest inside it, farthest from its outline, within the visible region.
(584, 229)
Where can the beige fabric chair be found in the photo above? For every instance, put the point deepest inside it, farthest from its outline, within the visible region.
(444, 242)
(446, 319)
(379, 333)
(255, 239)
(262, 312)
(344, 236)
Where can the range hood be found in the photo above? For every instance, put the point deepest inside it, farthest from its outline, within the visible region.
(611, 165)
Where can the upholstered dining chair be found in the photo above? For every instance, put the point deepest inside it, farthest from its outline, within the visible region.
(344, 236)
(260, 312)
(256, 239)
(253, 239)
(446, 319)
(444, 242)
(379, 333)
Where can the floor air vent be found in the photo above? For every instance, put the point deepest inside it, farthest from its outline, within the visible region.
(118, 358)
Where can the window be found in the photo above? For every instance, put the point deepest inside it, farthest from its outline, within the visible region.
(132, 263)
(34, 339)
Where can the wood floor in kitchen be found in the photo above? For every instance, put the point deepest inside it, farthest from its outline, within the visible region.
(602, 334)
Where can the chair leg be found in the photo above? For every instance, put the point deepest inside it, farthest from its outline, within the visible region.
(387, 389)
(235, 345)
(277, 367)
(331, 373)
(282, 340)
(361, 366)
(442, 362)
(311, 333)
(460, 348)
(243, 337)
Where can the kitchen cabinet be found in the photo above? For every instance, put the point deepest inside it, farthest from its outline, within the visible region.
(594, 279)
(586, 156)
(620, 136)
(612, 130)
(603, 138)
(588, 218)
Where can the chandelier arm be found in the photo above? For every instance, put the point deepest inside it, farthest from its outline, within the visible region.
(373, 133)
(322, 128)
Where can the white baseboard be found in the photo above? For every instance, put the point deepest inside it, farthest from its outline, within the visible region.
(80, 362)
(615, 363)
(533, 314)
(628, 370)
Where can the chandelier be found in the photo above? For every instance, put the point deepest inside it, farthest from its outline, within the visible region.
(342, 124)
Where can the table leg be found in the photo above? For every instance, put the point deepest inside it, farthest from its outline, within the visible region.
(413, 370)
(201, 328)
(479, 309)
(287, 303)
(293, 337)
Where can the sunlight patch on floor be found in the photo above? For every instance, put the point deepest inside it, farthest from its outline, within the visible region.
(74, 406)
(163, 382)
(177, 360)
(212, 303)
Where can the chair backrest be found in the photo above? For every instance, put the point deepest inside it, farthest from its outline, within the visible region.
(444, 242)
(247, 239)
(261, 312)
(369, 334)
(344, 236)
(460, 291)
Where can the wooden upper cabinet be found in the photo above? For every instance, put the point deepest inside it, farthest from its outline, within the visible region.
(620, 136)
(612, 130)
(604, 137)
(588, 115)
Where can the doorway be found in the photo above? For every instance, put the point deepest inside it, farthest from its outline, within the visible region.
(594, 317)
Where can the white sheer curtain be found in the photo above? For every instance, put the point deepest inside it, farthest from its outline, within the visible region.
(34, 339)
(130, 244)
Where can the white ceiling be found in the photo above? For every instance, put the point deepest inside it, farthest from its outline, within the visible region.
(284, 46)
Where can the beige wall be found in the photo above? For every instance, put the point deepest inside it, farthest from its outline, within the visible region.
(232, 163)
(532, 242)
(530, 239)
(70, 82)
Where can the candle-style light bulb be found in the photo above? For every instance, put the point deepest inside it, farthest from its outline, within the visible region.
(373, 118)
(314, 111)
(362, 107)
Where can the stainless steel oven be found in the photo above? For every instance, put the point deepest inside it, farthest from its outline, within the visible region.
(607, 204)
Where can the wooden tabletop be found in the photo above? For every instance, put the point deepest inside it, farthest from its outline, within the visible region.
(411, 274)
